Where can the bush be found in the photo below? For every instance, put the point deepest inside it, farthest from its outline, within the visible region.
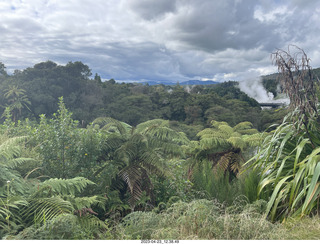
(65, 227)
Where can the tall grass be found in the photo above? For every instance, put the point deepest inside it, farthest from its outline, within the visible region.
(199, 219)
(209, 220)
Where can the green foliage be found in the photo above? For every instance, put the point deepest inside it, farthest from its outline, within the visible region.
(29, 202)
(174, 184)
(132, 103)
(66, 150)
(39, 210)
(80, 179)
(10, 159)
(66, 227)
(11, 184)
(289, 163)
(62, 186)
(139, 153)
(223, 145)
(213, 183)
(16, 101)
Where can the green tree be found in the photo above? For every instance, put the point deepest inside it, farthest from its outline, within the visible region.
(17, 100)
(3, 69)
(177, 101)
(66, 150)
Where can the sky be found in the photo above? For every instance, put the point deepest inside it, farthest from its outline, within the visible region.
(158, 40)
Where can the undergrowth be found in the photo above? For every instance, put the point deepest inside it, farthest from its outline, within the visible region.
(200, 219)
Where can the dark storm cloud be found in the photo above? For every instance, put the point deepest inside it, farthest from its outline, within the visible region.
(217, 25)
(151, 10)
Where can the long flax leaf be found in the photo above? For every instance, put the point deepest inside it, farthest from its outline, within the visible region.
(314, 184)
(275, 193)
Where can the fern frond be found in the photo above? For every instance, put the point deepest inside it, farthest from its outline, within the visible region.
(151, 123)
(165, 148)
(112, 142)
(209, 143)
(248, 131)
(16, 183)
(243, 126)
(226, 129)
(206, 131)
(83, 202)
(13, 163)
(166, 134)
(209, 133)
(41, 209)
(237, 142)
(216, 124)
(254, 140)
(230, 162)
(92, 223)
(112, 125)
(64, 186)
(131, 176)
(225, 161)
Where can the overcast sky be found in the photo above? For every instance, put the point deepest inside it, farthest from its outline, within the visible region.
(175, 40)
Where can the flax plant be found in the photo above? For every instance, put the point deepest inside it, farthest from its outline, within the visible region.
(289, 158)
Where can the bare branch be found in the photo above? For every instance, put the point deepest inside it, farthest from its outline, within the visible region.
(297, 80)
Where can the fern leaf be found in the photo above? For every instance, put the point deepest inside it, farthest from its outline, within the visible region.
(83, 202)
(151, 123)
(112, 125)
(226, 129)
(237, 142)
(41, 209)
(209, 143)
(243, 126)
(66, 186)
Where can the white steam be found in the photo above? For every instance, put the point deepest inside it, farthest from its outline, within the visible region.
(253, 88)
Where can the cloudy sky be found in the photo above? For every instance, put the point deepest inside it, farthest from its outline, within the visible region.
(173, 40)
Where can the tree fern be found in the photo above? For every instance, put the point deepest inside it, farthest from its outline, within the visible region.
(139, 152)
(223, 145)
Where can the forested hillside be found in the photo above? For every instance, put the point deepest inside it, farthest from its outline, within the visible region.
(35, 91)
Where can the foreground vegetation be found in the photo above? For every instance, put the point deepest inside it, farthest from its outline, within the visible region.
(162, 179)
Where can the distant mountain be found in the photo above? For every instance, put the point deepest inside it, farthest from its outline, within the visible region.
(183, 83)
(199, 82)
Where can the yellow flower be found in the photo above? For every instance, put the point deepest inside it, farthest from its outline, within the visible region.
(85, 154)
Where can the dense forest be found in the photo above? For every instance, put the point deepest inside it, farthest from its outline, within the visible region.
(35, 91)
(82, 158)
